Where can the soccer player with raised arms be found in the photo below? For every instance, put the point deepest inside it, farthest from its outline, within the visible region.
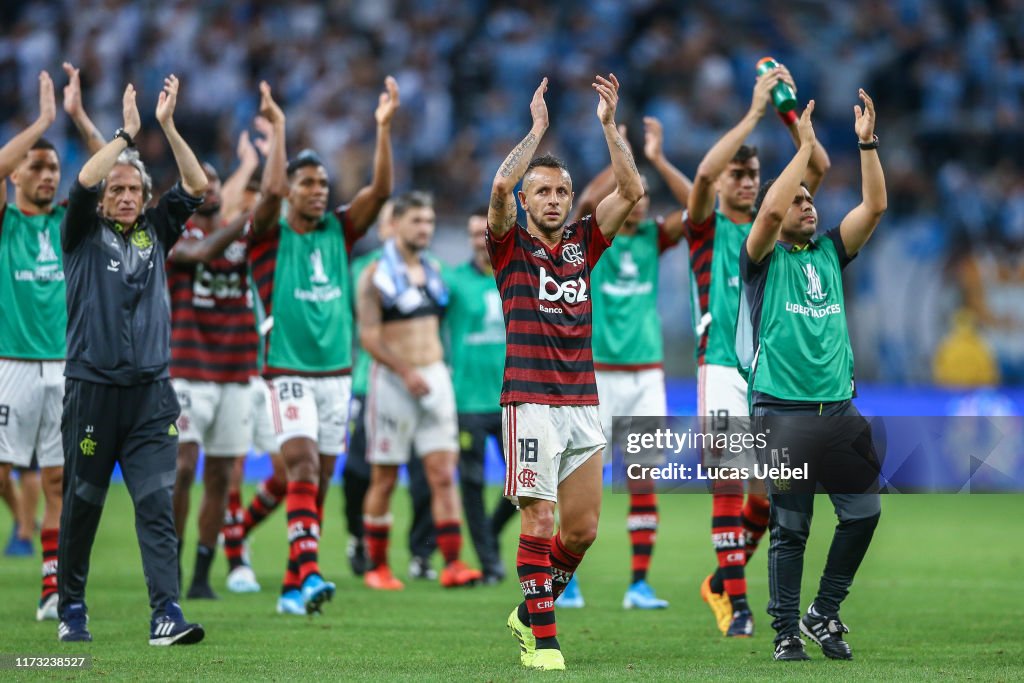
(213, 355)
(551, 429)
(792, 334)
(300, 267)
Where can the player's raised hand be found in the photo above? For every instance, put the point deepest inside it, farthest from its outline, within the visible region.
(246, 151)
(167, 101)
(787, 77)
(72, 91)
(266, 135)
(47, 103)
(130, 111)
(864, 120)
(387, 103)
(804, 128)
(269, 109)
(763, 90)
(538, 107)
(654, 139)
(608, 92)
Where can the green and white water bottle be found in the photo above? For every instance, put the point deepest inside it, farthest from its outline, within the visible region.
(783, 96)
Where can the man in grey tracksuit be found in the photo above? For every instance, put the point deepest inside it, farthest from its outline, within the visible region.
(119, 405)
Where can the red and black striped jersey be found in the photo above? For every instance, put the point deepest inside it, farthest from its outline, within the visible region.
(213, 331)
(546, 300)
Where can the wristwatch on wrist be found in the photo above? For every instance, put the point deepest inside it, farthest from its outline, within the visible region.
(865, 146)
(124, 135)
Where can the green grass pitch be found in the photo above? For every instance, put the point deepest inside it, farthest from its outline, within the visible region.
(940, 596)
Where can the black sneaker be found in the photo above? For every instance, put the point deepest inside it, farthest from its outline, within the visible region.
(201, 591)
(419, 568)
(356, 553)
(790, 649)
(742, 624)
(828, 633)
(169, 627)
(73, 627)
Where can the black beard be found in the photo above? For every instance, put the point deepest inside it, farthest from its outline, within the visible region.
(40, 203)
(207, 211)
(410, 247)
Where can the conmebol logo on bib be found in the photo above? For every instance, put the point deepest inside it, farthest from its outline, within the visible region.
(46, 252)
(316, 261)
(814, 291)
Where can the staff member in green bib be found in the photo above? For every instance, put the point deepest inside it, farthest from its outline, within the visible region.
(792, 334)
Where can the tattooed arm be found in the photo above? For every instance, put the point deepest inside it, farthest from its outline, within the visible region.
(501, 213)
(611, 213)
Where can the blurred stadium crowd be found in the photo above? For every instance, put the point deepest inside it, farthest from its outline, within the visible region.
(938, 298)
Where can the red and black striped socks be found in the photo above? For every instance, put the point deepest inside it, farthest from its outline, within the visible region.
(268, 497)
(376, 531)
(642, 523)
(533, 564)
(303, 528)
(727, 538)
(545, 567)
(291, 576)
(49, 543)
(234, 531)
(563, 565)
(449, 539)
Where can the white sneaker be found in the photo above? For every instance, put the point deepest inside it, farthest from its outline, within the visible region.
(291, 603)
(48, 609)
(243, 580)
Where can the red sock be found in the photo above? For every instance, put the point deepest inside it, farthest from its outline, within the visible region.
(642, 523)
(268, 497)
(727, 537)
(755, 522)
(234, 503)
(533, 563)
(303, 528)
(449, 539)
(375, 534)
(563, 565)
(291, 577)
(49, 543)
(234, 530)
